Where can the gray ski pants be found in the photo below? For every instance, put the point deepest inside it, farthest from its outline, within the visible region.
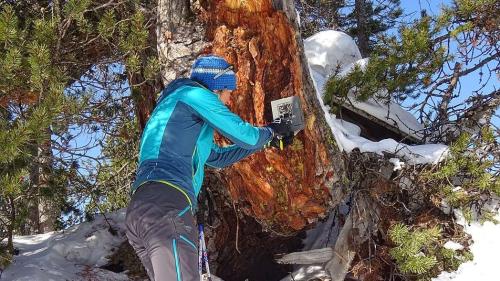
(162, 231)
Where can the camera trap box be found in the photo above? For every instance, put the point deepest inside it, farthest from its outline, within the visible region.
(289, 109)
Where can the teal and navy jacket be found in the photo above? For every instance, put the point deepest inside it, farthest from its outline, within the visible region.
(178, 138)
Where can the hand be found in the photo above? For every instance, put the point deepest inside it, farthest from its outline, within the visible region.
(280, 142)
(281, 127)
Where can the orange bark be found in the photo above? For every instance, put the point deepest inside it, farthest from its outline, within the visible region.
(285, 189)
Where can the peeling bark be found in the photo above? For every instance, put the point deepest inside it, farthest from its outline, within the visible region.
(285, 190)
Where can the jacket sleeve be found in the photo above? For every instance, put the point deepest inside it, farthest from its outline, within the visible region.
(221, 157)
(210, 108)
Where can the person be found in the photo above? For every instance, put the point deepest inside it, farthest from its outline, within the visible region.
(176, 144)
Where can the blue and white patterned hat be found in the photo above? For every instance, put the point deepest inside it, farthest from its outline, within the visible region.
(214, 72)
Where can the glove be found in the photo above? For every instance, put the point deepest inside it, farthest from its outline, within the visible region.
(280, 142)
(281, 127)
(282, 134)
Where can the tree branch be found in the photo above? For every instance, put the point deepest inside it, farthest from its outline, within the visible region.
(443, 107)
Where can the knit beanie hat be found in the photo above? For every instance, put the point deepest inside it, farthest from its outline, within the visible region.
(214, 72)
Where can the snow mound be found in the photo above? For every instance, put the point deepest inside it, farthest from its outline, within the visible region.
(451, 245)
(330, 51)
(361, 63)
(390, 113)
(334, 52)
(72, 254)
(485, 248)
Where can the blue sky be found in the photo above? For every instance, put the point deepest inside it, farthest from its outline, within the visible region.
(468, 83)
(415, 6)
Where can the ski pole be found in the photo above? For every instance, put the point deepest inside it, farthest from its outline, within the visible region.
(200, 252)
(205, 254)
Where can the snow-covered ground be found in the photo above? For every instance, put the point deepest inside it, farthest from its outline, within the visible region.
(76, 253)
(485, 248)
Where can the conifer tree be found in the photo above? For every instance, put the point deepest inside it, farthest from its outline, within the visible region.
(369, 19)
(50, 95)
(362, 19)
(424, 67)
(31, 94)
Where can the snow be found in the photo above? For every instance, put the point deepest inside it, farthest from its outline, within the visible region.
(306, 273)
(73, 254)
(398, 165)
(391, 114)
(388, 112)
(350, 128)
(485, 248)
(324, 234)
(348, 139)
(453, 246)
(331, 51)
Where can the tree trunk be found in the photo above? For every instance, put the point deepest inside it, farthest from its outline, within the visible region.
(144, 91)
(48, 208)
(42, 211)
(284, 190)
(257, 206)
(362, 27)
(10, 228)
(180, 37)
